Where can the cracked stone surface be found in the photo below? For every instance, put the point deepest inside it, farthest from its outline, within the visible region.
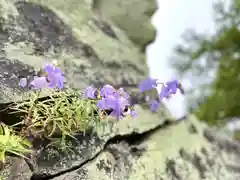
(171, 152)
(91, 48)
(95, 44)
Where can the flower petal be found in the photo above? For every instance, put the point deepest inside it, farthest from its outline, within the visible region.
(123, 93)
(107, 90)
(133, 113)
(90, 92)
(154, 106)
(117, 113)
(22, 82)
(165, 92)
(173, 86)
(147, 84)
(38, 83)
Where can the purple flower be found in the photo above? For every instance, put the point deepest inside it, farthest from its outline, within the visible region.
(56, 80)
(54, 76)
(22, 82)
(170, 88)
(116, 102)
(147, 84)
(38, 83)
(48, 68)
(173, 86)
(101, 104)
(133, 113)
(123, 93)
(107, 90)
(154, 106)
(165, 92)
(90, 92)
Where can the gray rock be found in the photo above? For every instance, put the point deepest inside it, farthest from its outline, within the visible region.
(169, 152)
(98, 42)
(90, 49)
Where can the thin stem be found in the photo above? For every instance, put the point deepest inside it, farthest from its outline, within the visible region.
(38, 94)
(32, 105)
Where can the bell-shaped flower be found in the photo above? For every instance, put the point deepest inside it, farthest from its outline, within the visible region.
(22, 82)
(147, 84)
(154, 105)
(107, 90)
(115, 102)
(54, 76)
(38, 83)
(90, 92)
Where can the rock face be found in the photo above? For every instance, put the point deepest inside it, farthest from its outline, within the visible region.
(92, 44)
(98, 42)
(186, 150)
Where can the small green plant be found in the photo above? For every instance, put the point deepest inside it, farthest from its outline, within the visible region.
(12, 144)
(65, 113)
(62, 114)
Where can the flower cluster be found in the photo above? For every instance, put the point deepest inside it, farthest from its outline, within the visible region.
(108, 100)
(111, 100)
(52, 77)
(149, 86)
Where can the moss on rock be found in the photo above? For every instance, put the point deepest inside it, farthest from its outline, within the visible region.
(98, 42)
(90, 49)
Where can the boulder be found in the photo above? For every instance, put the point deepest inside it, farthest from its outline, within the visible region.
(91, 48)
(181, 150)
(97, 42)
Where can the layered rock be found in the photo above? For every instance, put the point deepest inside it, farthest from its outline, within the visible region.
(98, 42)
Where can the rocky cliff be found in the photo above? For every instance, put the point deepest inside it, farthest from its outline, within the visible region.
(98, 42)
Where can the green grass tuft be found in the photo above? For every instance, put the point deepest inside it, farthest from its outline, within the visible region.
(62, 114)
(12, 144)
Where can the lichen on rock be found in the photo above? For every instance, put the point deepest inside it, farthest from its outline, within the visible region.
(100, 42)
(81, 42)
(170, 152)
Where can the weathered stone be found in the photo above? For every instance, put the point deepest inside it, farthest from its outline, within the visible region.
(16, 169)
(167, 151)
(170, 152)
(135, 23)
(89, 49)
(52, 161)
(98, 42)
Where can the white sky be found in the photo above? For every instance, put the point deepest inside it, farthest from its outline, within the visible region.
(172, 18)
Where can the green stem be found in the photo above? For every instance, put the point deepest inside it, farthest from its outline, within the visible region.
(32, 105)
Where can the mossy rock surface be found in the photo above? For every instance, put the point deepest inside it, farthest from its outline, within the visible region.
(185, 149)
(98, 42)
(90, 49)
(181, 150)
